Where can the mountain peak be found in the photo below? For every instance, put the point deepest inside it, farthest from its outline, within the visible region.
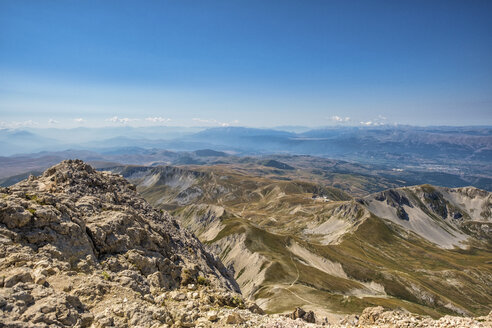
(79, 236)
(448, 217)
(76, 178)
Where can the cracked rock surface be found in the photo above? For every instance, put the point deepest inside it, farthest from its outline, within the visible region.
(74, 239)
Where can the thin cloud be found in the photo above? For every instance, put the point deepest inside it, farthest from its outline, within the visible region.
(371, 123)
(124, 120)
(201, 120)
(380, 120)
(79, 120)
(18, 124)
(340, 119)
(158, 119)
(215, 122)
(52, 121)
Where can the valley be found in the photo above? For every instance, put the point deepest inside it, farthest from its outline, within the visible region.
(297, 243)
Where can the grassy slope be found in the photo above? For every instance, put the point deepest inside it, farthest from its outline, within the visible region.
(414, 261)
(373, 253)
(272, 214)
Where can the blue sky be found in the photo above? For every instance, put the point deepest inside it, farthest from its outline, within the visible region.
(252, 63)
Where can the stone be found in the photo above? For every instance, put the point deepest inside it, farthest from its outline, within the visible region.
(234, 319)
(254, 308)
(212, 316)
(303, 315)
(309, 317)
(19, 275)
(371, 315)
(180, 297)
(298, 313)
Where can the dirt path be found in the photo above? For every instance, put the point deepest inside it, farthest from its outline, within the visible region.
(298, 273)
(294, 282)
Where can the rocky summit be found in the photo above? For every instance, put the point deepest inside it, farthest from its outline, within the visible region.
(80, 248)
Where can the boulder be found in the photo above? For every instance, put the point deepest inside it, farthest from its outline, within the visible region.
(303, 315)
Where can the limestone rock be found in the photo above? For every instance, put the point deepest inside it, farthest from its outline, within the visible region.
(234, 319)
(371, 315)
(301, 314)
(74, 238)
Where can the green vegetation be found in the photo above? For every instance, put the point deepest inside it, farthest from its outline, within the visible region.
(270, 214)
(201, 280)
(35, 199)
(237, 301)
(106, 276)
(32, 197)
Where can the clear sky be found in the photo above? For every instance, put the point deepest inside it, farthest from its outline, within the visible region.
(254, 63)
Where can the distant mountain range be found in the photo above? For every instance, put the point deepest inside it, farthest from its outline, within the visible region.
(474, 142)
(355, 178)
(447, 156)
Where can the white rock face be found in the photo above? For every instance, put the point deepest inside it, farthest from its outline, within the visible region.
(246, 264)
(343, 219)
(437, 214)
(475, 202)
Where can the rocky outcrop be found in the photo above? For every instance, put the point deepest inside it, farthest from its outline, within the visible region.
(393, 198)
(448, 217)
(377, 317)
(396, 200)
(74, 239)
(305, 316)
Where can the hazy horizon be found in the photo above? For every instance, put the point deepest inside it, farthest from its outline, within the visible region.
(292, 128)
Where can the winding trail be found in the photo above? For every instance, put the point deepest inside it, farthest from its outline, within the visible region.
(295, 281)
(299, 297)
(361, 247)
(298, 273)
